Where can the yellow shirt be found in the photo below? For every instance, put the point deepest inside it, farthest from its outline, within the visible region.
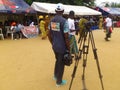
(42, 24)
(81, 24)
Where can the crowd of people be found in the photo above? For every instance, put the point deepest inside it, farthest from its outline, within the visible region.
(79, 21)
(43, 25)
(43, 22)
(15, 27)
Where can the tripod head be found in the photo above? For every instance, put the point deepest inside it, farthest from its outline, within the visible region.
(88, 25)
(87, 28)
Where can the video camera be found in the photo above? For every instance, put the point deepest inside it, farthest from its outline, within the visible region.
(89, 25)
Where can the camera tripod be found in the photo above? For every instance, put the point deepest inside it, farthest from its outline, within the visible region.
(85, 38)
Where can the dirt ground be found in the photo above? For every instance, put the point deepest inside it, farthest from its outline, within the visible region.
(28, 64)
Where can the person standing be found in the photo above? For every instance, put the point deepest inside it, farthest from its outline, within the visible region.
(72, 32)
(100, 22)
(82, 22)
(47, 20)
(108, 21)
(59, 38)
(13, 29)
(42, 27)
(104, 24)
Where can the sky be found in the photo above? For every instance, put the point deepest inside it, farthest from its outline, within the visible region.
(98, 2)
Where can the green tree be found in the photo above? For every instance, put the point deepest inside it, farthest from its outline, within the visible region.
(107, 5)
(115, 5)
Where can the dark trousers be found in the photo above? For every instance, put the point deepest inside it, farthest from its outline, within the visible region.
(18, 33)
(108, 33)
(59, 67)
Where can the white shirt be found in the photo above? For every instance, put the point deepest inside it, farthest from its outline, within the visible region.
(71, 26)
(12, 27)
(108, 22)
(32, 24)
(20, 26)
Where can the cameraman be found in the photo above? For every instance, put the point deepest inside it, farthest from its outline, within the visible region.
(82, 22)
(59, 38)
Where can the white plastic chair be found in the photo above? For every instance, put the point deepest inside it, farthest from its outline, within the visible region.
(9, 31)
(1, 34)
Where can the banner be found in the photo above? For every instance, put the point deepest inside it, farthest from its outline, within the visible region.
(30, 31)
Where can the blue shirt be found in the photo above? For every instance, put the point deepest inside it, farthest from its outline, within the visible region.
(58, 26)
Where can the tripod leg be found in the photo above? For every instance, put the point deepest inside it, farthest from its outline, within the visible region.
(98, 66)
(83, 75)
(84, 48)
(77, 59)
(74, 71)
(96, 58)
(85, 52)
(75, 68)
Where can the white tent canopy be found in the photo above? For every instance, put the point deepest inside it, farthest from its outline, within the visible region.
(50, 8)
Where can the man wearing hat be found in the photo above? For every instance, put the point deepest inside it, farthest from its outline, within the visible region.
(59, 38)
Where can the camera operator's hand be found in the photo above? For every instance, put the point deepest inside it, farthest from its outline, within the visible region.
(67, 51)
(67, 41)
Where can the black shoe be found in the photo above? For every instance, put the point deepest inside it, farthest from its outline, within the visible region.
(106, 39)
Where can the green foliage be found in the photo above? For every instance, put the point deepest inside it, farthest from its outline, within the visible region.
(115, 4)
(107, 5)
(29, 1)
